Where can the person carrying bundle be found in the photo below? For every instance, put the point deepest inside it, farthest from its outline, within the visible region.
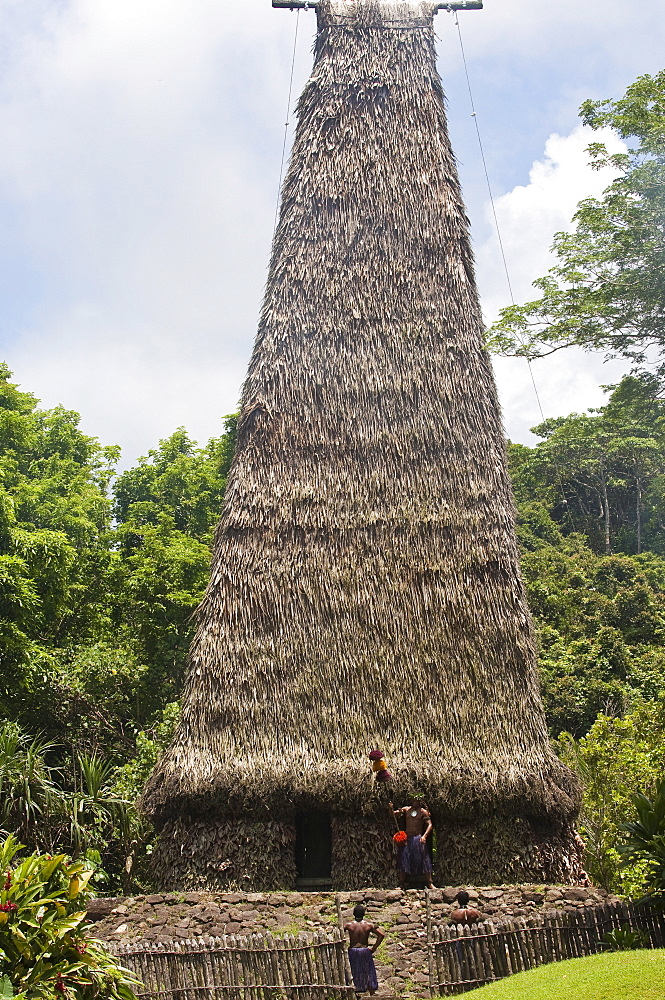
(413, 857)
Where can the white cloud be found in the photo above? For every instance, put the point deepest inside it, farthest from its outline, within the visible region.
(607, 33)
(142, 154)
(528, 218)
(141, 146)
(532, 213)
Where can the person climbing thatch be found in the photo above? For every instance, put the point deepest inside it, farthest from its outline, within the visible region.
(365, 586)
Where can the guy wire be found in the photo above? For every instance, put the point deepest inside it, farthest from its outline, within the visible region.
(287, 122)
(503, 253)
(491, 196)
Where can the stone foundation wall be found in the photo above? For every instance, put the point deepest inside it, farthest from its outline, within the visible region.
(402, 958)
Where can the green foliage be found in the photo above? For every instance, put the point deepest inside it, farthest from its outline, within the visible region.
(132, 776)
(78, 807)
(607, 289)
(617, 756)
(98, 584)
(180, 480)
(645, 838)
(54, 549)
(585, 515)
(601, 473)
(589, 501)
(45, 944)
(166, 510)
(599, 622)
(623, 939)
(28, 793)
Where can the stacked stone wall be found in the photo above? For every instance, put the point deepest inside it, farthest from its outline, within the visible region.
(402, 915)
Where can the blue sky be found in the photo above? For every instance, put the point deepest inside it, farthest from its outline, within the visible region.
(141, 149)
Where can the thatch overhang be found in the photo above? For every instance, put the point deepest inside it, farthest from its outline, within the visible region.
(365, 588)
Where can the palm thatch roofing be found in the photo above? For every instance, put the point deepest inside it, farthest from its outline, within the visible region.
(365, 588)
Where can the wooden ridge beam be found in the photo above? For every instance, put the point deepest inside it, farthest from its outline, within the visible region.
(313, 4)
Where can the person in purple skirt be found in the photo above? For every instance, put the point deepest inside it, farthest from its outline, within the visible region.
(413, 857)
(361, 958)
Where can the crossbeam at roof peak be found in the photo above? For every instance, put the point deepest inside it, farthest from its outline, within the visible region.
(313, 4)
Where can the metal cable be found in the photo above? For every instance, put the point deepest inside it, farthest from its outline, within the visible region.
(503, 257)
(489, 189)
(287, 122)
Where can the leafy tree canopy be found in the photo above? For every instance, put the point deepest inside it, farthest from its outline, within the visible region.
(54, 523)
(590, 526)
(607, 290)
(166, 509)
(99, 579)
(601, 473)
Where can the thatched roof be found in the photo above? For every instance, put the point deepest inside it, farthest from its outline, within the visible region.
(365, 588)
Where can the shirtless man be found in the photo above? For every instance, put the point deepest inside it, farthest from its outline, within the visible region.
(360, 954)
(464, 914)
(413, 857)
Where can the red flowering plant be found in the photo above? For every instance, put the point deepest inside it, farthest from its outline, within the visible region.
(45, 946)
(400, 837)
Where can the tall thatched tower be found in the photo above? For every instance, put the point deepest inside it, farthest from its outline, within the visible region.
(365, 588)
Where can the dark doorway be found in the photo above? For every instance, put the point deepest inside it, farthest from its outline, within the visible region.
(313, 850)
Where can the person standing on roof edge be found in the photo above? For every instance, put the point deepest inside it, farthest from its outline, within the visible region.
(413, 857)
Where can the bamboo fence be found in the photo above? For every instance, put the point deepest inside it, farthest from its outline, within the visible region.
(256, 967)
(464, 958)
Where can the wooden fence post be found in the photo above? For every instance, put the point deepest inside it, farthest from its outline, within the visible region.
(430, 957)
(340, 924)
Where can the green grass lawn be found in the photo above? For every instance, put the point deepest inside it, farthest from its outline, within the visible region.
(624, 975)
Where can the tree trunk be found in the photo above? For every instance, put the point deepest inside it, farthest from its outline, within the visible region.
(606, 516)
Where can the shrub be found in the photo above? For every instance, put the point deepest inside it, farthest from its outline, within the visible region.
(45, 947)
(645, 839)
(623, 939)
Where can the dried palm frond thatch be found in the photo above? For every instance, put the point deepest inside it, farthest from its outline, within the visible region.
(365, 588)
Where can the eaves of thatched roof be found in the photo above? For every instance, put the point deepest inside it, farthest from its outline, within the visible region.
(365, 588)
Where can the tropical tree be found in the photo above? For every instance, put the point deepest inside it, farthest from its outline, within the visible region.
(166, 508)
(95, 619)
(95, 613)
(607, 290)
(617, 756)
(54, 551)
(600, 472)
